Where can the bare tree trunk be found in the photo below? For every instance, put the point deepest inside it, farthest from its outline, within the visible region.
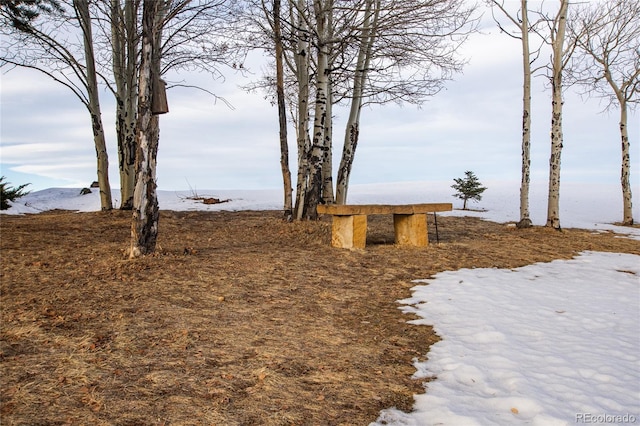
(106, 202)
(352, 135)
(319, 142)
(608, 42)
(318, 147)
(525, 220)
(352, 131)
(131, 101)
(124, 47)
(304, 146)
(82, 11)
(282, 115)
(553, 206)
(327, 166)
(124, 31)
(625, 168)
(118, 49)
(302, 61)
(144, 227)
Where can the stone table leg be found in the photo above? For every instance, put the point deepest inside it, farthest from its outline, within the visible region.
(349, 231)
(411, 229)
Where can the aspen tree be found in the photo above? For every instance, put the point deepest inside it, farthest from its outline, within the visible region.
(37, 39)
(302, 71)
(361, 52)
(521, 21)
(319, 141)
(559, 60)
(352, 130)
(282, 113)
(124, 46)
(608, 66)
(144, 226)
(81, 8)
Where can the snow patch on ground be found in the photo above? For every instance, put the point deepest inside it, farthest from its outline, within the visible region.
(546, 344)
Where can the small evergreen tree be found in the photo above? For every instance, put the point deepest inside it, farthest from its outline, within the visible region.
(8, 193)
(469, 188)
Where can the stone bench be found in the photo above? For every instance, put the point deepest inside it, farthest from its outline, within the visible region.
(349, 226)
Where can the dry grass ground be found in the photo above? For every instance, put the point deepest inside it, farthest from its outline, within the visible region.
(239, 319)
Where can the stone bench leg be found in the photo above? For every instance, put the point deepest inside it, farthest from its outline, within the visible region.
(411, 229)
(349, 231)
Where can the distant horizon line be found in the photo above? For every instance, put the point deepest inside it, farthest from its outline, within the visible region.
(385, 183)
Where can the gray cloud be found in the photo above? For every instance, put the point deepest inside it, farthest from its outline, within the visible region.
(472, 125)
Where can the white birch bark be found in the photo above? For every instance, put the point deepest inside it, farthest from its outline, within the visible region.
(144, 226)
(627, 90)
(282, 114)
(522, 22)
(319, 143)
(124, 34)
(352, 130)
(558, 35)
(131, 99)
(82, 11)
(608, 37)
(302, 63)
(118, 48)
(327, 166)
(525, 177)
(625, 169)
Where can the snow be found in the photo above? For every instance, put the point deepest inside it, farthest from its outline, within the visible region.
(543, 344)
(71, 199)
(553, 343)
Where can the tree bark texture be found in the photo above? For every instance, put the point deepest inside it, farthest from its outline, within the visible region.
(124, 34)
(352, 130)
(625, 168)
(118, 49)
(525, 220)
(352, 134)
(327, 166)
(609, 35)
(624, 92)
(282, 115)
(144, 227)
(625, 164)
(82, 11)
(553, 206)
(319, 145)
(302, 63)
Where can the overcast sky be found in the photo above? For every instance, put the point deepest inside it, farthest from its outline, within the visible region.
(475, 124)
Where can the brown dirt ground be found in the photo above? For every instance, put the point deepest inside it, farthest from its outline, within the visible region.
(239, 319)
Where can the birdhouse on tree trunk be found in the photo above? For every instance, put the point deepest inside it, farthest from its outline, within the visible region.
(159, 103)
